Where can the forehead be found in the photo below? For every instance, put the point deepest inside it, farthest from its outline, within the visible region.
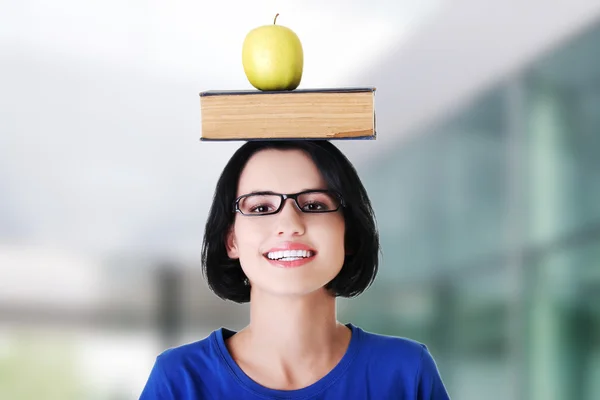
(282, 171)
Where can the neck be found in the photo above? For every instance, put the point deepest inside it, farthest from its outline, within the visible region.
(290, 342)
(289, 327)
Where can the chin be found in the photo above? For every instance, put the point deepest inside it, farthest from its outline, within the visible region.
(305, 280)
(292, 289)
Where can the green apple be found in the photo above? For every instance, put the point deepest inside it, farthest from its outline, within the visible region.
(273, 58)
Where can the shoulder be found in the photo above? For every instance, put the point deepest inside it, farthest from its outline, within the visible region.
(402, 359)
(196, 361)
(199, 351)
(392, 347)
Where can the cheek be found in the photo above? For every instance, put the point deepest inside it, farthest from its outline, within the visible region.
(331, 238)
(248, 237)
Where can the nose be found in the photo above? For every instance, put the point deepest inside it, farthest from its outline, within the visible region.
(290, 221)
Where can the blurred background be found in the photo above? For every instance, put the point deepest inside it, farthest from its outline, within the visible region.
(485, 177)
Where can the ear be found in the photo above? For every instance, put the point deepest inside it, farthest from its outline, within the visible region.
(231, 245)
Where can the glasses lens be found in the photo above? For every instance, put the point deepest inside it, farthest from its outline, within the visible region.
(259, 204)
(318, 202)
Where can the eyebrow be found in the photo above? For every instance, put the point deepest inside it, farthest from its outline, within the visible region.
(272, 192)
(262, 192)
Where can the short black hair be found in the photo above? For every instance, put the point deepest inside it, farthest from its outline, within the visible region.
(225, 276)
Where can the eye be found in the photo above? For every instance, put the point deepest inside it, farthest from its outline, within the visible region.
(314, 206)
(260, 209)
(317, 201)
(259, 204)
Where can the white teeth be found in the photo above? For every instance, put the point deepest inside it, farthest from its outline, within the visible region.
(289, 255)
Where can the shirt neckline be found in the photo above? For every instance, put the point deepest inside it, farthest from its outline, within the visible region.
(219, 336)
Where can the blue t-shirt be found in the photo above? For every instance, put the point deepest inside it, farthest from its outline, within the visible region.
(376, 367)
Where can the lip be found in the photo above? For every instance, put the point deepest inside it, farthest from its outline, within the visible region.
(290, 246)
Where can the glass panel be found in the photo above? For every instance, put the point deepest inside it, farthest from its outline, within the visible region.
(479, 363)
(563, 236)
(444, 195)
(526, 330)
(442, 203)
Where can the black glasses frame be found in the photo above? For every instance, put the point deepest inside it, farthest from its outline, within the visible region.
(284, 197)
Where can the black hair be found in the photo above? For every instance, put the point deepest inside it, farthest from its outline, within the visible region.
(225, 275)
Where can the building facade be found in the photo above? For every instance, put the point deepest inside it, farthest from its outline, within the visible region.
(490, 225)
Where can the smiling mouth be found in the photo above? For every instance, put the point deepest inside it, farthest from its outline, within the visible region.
(289, 255)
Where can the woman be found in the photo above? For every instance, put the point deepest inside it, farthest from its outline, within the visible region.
(291, 228)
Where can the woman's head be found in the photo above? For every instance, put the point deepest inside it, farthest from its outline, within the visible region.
(324, 238)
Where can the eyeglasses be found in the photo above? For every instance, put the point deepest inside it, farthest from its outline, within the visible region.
(268, 203)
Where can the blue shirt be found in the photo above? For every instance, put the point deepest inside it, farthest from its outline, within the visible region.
(376, 367)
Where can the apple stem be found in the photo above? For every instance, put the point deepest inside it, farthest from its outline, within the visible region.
(276, 15)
